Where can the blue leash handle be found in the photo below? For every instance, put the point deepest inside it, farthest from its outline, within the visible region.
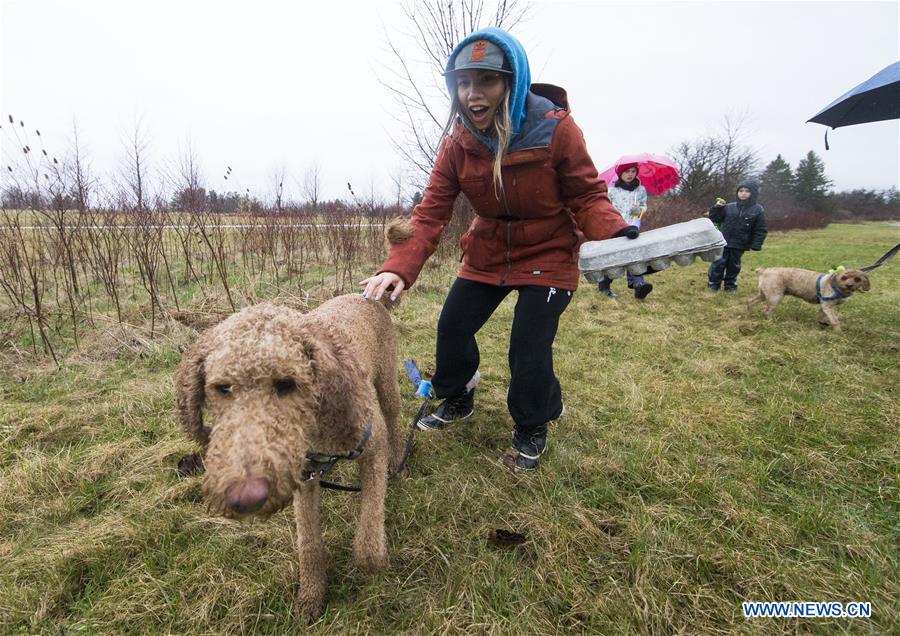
(424, 390)
(422, 386)
(412, 371)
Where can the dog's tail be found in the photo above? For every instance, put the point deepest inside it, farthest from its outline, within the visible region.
(397, 230)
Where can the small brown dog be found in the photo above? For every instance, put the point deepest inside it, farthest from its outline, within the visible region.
(282, 389)
(826, 290)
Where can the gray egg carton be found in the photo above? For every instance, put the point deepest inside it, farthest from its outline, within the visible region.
(654, 249)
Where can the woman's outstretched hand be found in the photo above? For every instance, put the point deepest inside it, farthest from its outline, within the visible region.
(376, 285)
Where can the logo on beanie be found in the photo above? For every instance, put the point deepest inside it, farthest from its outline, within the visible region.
(478, 51)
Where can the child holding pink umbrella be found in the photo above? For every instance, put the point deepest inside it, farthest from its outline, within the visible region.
(629, 197)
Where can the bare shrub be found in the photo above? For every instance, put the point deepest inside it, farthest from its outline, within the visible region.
(667, 210)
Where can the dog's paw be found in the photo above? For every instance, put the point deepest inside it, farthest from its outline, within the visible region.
(309, 605)
(371, 561)
(190, 465)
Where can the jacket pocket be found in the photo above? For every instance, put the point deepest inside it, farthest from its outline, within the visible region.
(480, 193)
(532, 190)
(473, 187)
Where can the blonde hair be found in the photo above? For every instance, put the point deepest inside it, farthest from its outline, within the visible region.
(502, 126)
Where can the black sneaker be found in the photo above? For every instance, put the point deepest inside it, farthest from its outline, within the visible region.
(452, 409)
(526, 451)
(731, 289)
(641, 291)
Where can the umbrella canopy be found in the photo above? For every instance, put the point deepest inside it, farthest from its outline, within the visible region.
(656, 172)
(876, 99)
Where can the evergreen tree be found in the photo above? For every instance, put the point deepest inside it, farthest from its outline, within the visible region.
(778, 178)
(811, 184)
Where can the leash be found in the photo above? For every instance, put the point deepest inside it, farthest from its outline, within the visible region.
(838, 295)
(319, 464)
(881, 261)
(423, 390)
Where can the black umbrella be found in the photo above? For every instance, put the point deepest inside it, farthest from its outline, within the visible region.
(876, 99)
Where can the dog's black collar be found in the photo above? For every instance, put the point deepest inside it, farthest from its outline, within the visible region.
(318, 464)
(838, 294)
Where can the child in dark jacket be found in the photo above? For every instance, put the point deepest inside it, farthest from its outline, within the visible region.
(743, 224)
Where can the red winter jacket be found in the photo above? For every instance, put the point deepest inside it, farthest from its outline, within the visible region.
(528, 236)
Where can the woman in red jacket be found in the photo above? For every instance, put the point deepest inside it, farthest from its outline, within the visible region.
(513, 149)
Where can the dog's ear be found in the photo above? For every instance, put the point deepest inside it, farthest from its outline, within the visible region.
(190, 380)
(343, 401)
(864, 285)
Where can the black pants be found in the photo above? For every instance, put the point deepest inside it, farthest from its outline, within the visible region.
(534, 396)
(728, 266)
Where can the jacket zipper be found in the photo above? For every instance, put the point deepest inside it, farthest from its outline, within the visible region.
(508, 252)
(508, 236)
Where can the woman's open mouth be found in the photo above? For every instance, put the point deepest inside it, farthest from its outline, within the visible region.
(479, 114)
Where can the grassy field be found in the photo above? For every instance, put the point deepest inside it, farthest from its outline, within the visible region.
(706, 458)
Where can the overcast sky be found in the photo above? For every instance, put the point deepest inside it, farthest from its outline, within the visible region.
(264, 84)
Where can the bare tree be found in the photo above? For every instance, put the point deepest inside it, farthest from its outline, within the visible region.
(134, 167)
(696, 163)
(713, 165)
(187, 180)
(736, 160)
(312, 184)
(397, 179)
(278, 175)
(79, 173)
(419, 54)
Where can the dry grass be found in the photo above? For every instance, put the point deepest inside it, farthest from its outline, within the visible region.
(705, 458)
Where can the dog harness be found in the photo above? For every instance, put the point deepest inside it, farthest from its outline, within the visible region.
(838, 295)
(318, 464)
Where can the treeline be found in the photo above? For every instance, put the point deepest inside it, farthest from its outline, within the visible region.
(146, 244)
(711, 166)
(794, 197)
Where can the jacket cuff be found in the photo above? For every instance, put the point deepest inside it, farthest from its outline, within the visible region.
(597, 230)
(405, 260)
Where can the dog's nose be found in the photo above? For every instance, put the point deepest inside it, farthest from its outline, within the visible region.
(247, 495)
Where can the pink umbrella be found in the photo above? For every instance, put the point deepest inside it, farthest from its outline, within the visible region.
(657, 173)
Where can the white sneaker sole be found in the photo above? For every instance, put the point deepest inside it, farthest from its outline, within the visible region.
(424, 427)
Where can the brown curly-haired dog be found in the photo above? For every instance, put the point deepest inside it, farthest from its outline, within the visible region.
(275, 384)
(776, 282)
